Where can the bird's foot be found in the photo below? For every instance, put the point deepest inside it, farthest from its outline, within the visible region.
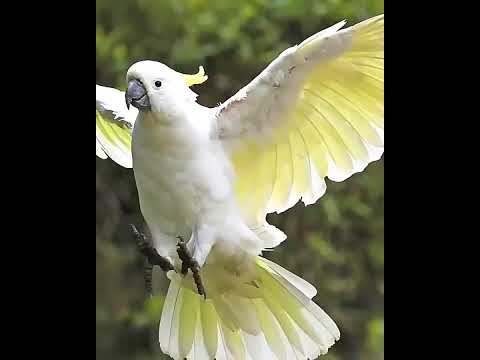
(152, 257)
(188, 262)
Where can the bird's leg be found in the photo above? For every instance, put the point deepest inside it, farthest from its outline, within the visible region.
(152, 257)
(188, 262)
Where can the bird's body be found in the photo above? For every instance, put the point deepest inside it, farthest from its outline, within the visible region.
(185, 183)
(211, 176)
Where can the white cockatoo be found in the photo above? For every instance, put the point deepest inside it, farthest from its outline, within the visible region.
(211, 175)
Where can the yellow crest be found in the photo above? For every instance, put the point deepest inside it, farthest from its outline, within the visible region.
(196, 79)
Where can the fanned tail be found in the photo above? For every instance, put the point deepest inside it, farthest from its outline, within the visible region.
(270, 315)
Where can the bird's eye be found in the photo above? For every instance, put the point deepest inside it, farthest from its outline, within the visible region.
(158, 83)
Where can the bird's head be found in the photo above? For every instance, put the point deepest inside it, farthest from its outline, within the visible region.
(153, 86)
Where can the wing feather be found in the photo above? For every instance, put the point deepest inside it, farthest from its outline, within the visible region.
(114, 124)
(316, 111)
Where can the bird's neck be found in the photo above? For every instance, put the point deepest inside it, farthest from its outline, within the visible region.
(190, 123)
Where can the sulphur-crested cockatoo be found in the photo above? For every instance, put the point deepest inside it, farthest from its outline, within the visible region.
(211, 175)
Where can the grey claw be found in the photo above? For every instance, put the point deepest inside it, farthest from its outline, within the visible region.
(188, 262)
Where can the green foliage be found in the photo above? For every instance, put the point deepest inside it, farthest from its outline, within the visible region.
(336, 244)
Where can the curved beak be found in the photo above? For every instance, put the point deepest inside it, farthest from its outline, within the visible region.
(137, 96)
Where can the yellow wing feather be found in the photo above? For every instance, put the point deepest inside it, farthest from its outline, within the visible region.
(114, 139)
(333, 129)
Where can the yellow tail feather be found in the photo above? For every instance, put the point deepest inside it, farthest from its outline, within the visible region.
(267, 315)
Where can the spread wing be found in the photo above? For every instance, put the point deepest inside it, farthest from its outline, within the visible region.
(114, 126)
(316, 111)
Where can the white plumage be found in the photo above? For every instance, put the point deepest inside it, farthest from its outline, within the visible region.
(212, 175)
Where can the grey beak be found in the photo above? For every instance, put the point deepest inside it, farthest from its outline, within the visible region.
(137, 96)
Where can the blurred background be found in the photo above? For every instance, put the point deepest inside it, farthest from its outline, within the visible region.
(337, 245)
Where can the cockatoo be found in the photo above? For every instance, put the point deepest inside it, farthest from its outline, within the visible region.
(211, 175)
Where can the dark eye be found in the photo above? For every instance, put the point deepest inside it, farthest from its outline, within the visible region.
(158, 83)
